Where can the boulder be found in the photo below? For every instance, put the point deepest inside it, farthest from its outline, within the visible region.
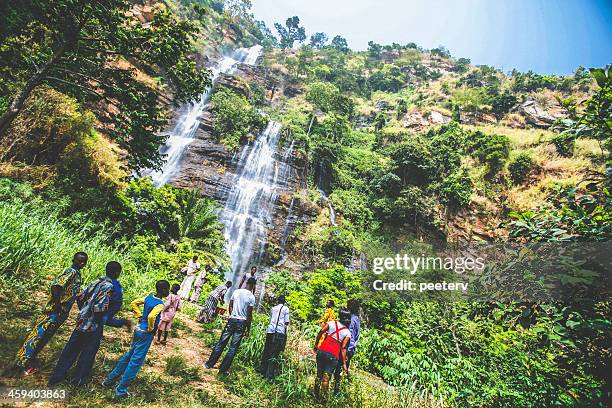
(535, 114)
(436, 118)
(382, 105)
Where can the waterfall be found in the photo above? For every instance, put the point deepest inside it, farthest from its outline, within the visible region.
(261, 174)
(185, 129)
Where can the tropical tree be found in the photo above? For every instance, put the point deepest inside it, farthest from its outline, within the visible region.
(339, 43)
(291, 32)
(90, 51)
(318, 40)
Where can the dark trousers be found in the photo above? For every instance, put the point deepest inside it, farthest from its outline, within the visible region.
(275, 344)
(234, 329)
(81, 346)
(338, 371)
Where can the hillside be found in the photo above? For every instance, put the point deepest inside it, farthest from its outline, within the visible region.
(191, 128)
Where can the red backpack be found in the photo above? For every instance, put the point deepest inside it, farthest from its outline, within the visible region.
(332, 343)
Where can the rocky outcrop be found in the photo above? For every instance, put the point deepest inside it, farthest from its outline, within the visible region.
(234, 83)
(538, 116)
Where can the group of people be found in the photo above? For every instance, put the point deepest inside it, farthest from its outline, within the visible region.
(101, 300)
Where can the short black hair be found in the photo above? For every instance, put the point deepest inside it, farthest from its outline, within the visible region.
(251, 281)
(353, 306)
(175, 288)
(332, 302)
(195, 257)
(281, 299)
(162, 287)
(79, 255)
(229, 283)
(113, 269)
(345, 316)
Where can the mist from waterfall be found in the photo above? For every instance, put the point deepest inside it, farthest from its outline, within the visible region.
(188, 122)
(261, 174)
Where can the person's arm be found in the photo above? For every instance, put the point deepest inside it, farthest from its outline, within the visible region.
(323, 330)
(153, 316)
(137, 305)
(116, 301)
(343, 352)
(231, 306)
(249, 319)
(242, 281)
(286, 319)
(57, 291)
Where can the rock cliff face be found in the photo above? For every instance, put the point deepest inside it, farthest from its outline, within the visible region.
(211, 168)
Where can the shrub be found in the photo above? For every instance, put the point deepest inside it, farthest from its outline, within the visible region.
(234, 118)
(564, 143)
(492, 150)
(455, 190)
(520, 167)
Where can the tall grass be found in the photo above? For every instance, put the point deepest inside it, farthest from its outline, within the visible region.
(35, 246)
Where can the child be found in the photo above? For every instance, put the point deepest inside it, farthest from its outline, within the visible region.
(149, 311)
(173, 305)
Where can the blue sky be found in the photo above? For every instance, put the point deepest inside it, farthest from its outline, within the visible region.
(546, 36)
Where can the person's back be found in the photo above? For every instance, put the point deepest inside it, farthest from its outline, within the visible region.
(242, 298)
(279, 318)
(336, 333)
(151, 304)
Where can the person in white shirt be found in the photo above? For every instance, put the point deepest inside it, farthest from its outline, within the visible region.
(251, 274)
(238, 326)
(190, 270)
(276, 338)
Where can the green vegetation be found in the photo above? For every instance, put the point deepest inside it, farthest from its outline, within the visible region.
(235, 118)
(413, 149)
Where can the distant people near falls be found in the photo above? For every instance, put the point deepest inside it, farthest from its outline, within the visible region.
(251, 274)
(171, 307)
(197, 288)
(328, 315)
(355, 329)
(211, 308)
(238, 326)
(190, 270)
(62, 295)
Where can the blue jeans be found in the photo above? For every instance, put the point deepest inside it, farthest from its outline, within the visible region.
(82, 346)
(234, 329)
(128, 366)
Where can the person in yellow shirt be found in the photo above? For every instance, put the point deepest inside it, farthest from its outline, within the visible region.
(148, 311)
(328, 316)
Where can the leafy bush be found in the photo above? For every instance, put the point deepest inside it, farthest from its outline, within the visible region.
(492, 150)
(455, 190)
(520, 166)
(234, 118)
(564, 143)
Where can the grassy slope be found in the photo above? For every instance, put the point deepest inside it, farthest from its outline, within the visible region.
(34, 246)
(173, 375)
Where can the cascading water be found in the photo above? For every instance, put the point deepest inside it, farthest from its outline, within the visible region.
(261, 174)
(190, 115)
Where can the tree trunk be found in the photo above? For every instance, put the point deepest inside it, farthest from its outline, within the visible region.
(17, 104)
